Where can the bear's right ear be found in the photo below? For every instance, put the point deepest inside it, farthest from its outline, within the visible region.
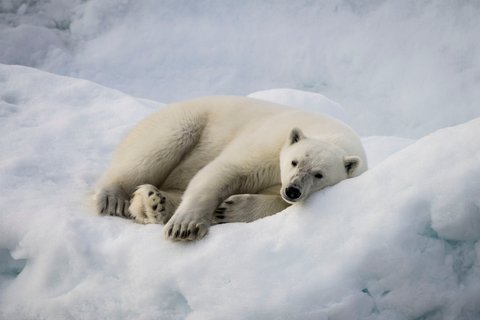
(351, 164)
(296, 135)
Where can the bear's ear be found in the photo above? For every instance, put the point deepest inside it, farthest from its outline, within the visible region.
(351, 164)
(296, 135)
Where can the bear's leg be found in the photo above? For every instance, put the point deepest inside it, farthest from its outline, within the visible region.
(209, 188)
(148, 155)
(250, 207)
(150, 205)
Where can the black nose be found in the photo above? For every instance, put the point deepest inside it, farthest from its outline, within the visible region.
(293, 193)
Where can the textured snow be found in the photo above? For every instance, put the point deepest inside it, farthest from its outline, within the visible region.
(399, 242)
(402, 241)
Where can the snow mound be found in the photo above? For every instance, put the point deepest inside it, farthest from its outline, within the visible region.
(399, 242)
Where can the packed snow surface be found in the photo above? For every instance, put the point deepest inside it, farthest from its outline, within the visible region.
(402, 241)
(399, 242)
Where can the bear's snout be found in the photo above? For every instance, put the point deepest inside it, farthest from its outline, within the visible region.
(293, 193)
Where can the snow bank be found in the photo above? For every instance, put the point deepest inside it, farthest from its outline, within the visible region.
(398, 67)
(399, 242)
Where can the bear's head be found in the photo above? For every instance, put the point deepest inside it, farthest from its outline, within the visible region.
(308, 165)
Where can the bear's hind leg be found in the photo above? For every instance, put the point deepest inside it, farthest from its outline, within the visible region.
(113, 202)
(148, 155)
(150, 205)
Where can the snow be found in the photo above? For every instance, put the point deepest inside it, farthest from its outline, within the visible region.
(402, 241)
(399, 242)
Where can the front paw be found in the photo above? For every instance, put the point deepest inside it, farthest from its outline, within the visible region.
(148, 205)
(236, 208)
(186, 228)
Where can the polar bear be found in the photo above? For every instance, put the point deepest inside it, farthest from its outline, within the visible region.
(213, 160)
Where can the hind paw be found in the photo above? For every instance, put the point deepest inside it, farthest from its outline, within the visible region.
(148, 205)
(113, 202)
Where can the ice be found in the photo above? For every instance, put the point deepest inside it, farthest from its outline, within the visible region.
(399, 242)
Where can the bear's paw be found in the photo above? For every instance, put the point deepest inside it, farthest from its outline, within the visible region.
(148, 205)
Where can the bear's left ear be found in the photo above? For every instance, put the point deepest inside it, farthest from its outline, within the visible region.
(351, 164)
(296, 135)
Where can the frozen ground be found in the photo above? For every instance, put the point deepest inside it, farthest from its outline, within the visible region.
(400, 242)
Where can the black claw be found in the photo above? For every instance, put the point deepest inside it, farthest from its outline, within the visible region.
(229, 202)
(183, 234)
(150, 193)
(220, 216)
(177, 233)
(170, 232)
(188, 233)
(195, 231)
(106, 205)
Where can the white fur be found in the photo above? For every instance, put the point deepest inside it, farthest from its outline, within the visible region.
(218, 152)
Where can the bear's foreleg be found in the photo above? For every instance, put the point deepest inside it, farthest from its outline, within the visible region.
(250, 207)
(209, 188)
(213, 184)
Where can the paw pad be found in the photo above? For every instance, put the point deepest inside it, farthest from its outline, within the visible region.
(148, 205)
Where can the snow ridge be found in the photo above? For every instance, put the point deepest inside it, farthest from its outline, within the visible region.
(399, 242)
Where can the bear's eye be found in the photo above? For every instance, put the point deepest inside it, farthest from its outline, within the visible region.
(318, 175)
(294, 163)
